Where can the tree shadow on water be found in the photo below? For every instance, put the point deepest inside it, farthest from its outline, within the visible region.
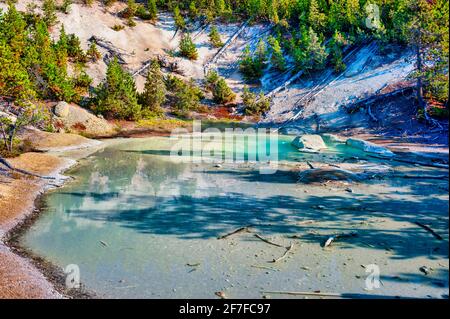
(190, 217)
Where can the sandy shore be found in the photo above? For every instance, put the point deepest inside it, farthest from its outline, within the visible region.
(19, 278)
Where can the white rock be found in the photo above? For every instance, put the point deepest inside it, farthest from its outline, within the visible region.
(62, 109)
(369, 147)
(309, 142)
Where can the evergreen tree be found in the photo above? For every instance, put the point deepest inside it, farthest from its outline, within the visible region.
(65, 7)
(131, 12)
(316, 18)
(214, 37)
(193, 11)
(154, 94)
(116, 97)
(187, 47)
(254, 105)
(428, 34)
(222, 93)
(49, 10)
(277, 58)
(152, 9)
(179, 20)
(315, 53)
(336, 44)
(93, 53)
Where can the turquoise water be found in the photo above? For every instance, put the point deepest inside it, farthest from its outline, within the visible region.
(138, 224)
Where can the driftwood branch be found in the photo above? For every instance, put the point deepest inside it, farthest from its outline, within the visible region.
(288, 250)
(237, 231)
(267, 241)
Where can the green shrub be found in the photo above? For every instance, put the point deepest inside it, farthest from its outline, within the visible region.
(251, 67)
(49, 11)
(214, 37)
(154, 94)
(187, 47)
(93, 53)
(116, 97)
(185, 96)
(117, 27)
(65, 6)
(218, 87)
(179, 20)
(152, 9)
(254, 105)
(277, 58)
(222, 93)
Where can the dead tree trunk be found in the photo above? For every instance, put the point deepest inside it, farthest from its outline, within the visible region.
(8, 165)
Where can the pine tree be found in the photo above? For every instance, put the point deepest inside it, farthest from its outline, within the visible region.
(219, 6)
(187, 47)
(428, 34)
(254, 105)
(65, 7)
(315, 52)
(154, 94)
(316, 18)
(277, 58)
(152, 9)
(222, 93)
(261, 52)
(336, 44)
(214, 37)
(193, 11)
(179, 20)
(93, 53)
(116, 97)
(49, 10)
(131, 12)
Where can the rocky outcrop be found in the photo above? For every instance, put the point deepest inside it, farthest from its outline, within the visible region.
(369, 147)
(320, 175)
(345, 172)
(309, 143)
(76, 119)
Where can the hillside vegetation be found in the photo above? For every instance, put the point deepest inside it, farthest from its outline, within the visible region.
(309, 34)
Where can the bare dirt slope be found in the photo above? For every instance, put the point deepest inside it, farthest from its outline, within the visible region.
(322, 96)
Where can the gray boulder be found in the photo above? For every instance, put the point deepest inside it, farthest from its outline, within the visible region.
(62, 109)
(76, 119)
(309, 143)
(320, 175)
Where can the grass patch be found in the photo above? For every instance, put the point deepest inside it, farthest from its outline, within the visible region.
(159, 124)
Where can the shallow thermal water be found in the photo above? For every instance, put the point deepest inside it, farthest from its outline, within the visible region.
(139, 224)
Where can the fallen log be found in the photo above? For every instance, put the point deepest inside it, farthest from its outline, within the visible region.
(112, 50)
(427, 228)
(402, 160)
(225, 46)
(22, 171)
